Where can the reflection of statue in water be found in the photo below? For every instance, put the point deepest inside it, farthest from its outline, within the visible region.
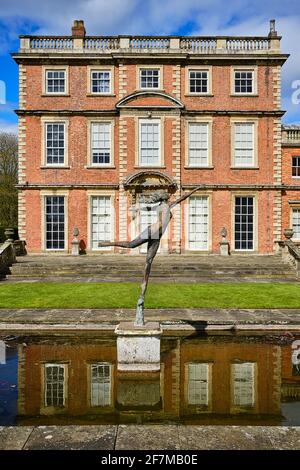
(158, 201)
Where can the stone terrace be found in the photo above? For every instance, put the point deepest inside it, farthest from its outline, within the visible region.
(172, 268)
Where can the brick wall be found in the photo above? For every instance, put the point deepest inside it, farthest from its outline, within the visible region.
(125, 140)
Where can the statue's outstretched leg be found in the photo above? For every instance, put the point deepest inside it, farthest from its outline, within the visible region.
(126, 244)
(153, 246)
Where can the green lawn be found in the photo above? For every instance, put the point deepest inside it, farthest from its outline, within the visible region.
(85, 295)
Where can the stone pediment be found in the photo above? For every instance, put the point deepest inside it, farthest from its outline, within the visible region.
(149, 99)
(149, 179)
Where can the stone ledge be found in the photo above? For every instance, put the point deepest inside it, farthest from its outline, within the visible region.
(150, 437)
(186, 321)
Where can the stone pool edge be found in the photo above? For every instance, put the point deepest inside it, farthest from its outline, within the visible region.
(149, 437)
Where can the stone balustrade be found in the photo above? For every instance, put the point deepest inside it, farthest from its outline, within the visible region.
(45, 43)
(290, 253)
(161, 44)
(101, 43)
(291, 135)
(7, 257)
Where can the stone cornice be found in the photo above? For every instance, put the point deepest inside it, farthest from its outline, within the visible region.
(66, 112)
(234, 112)
(137, 57)
(114, 112)
(253, 187)
(257, 187)
(68, 186)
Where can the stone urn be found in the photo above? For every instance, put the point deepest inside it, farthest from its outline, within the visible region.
(288, 233)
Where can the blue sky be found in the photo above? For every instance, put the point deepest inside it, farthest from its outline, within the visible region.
(191, 17)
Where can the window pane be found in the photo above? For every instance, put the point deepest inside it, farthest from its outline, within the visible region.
(55, 143)
(55, 222)
(101, 81)
(198, 144)
(198, 223)
(244, 223)
(198, 81)
(55, 81)
(243, 379)
(244, 144)
(198, 384)
(100, 384)
(149, 78)
(101, 143)
(243, 81)
(54, 385)
(296, 166)
(296, 223)
(149, 143)
(101, 216)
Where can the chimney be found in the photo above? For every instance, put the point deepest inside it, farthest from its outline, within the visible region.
(78, 29)
(273, 32)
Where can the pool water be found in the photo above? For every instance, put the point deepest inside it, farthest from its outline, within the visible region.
(204, 379)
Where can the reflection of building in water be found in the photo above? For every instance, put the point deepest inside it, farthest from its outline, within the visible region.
(230, 377)
(198, 377)
(290, 389)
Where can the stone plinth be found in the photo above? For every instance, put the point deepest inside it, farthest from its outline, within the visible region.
(138, 347)
(75, 247)
(138, 390)
(224, 248)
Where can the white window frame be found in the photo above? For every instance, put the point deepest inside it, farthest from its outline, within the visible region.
(100, 193)
(255, 222)
(100, 364)
(209, 218)
(110, 163)
(90, 163)
(208, 162)
(196, 68)
(55, 164)
(236, 401)
(293, 208)
(254, 80)
(141, 122)
(254, 124)
(45, 205)
(55, 68)
(208, 383)
(160, 77)
(53, 120)
(298, 167)
(43, 195)
(64, 367)
(91, 69)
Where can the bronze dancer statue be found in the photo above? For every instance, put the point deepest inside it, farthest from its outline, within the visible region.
(151, 235)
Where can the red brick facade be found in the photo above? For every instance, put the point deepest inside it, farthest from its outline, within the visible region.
(83, 185)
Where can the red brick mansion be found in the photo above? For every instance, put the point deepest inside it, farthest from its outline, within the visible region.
(105, 120)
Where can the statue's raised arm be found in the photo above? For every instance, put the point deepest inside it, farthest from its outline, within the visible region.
(186, 196)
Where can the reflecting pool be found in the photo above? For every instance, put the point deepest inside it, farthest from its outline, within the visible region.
(204, 379)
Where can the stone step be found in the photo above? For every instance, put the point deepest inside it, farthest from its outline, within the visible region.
(157, 264)
(159, 259)
(156, 273)
(155, 268)
(154, 279)
(172, 268)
